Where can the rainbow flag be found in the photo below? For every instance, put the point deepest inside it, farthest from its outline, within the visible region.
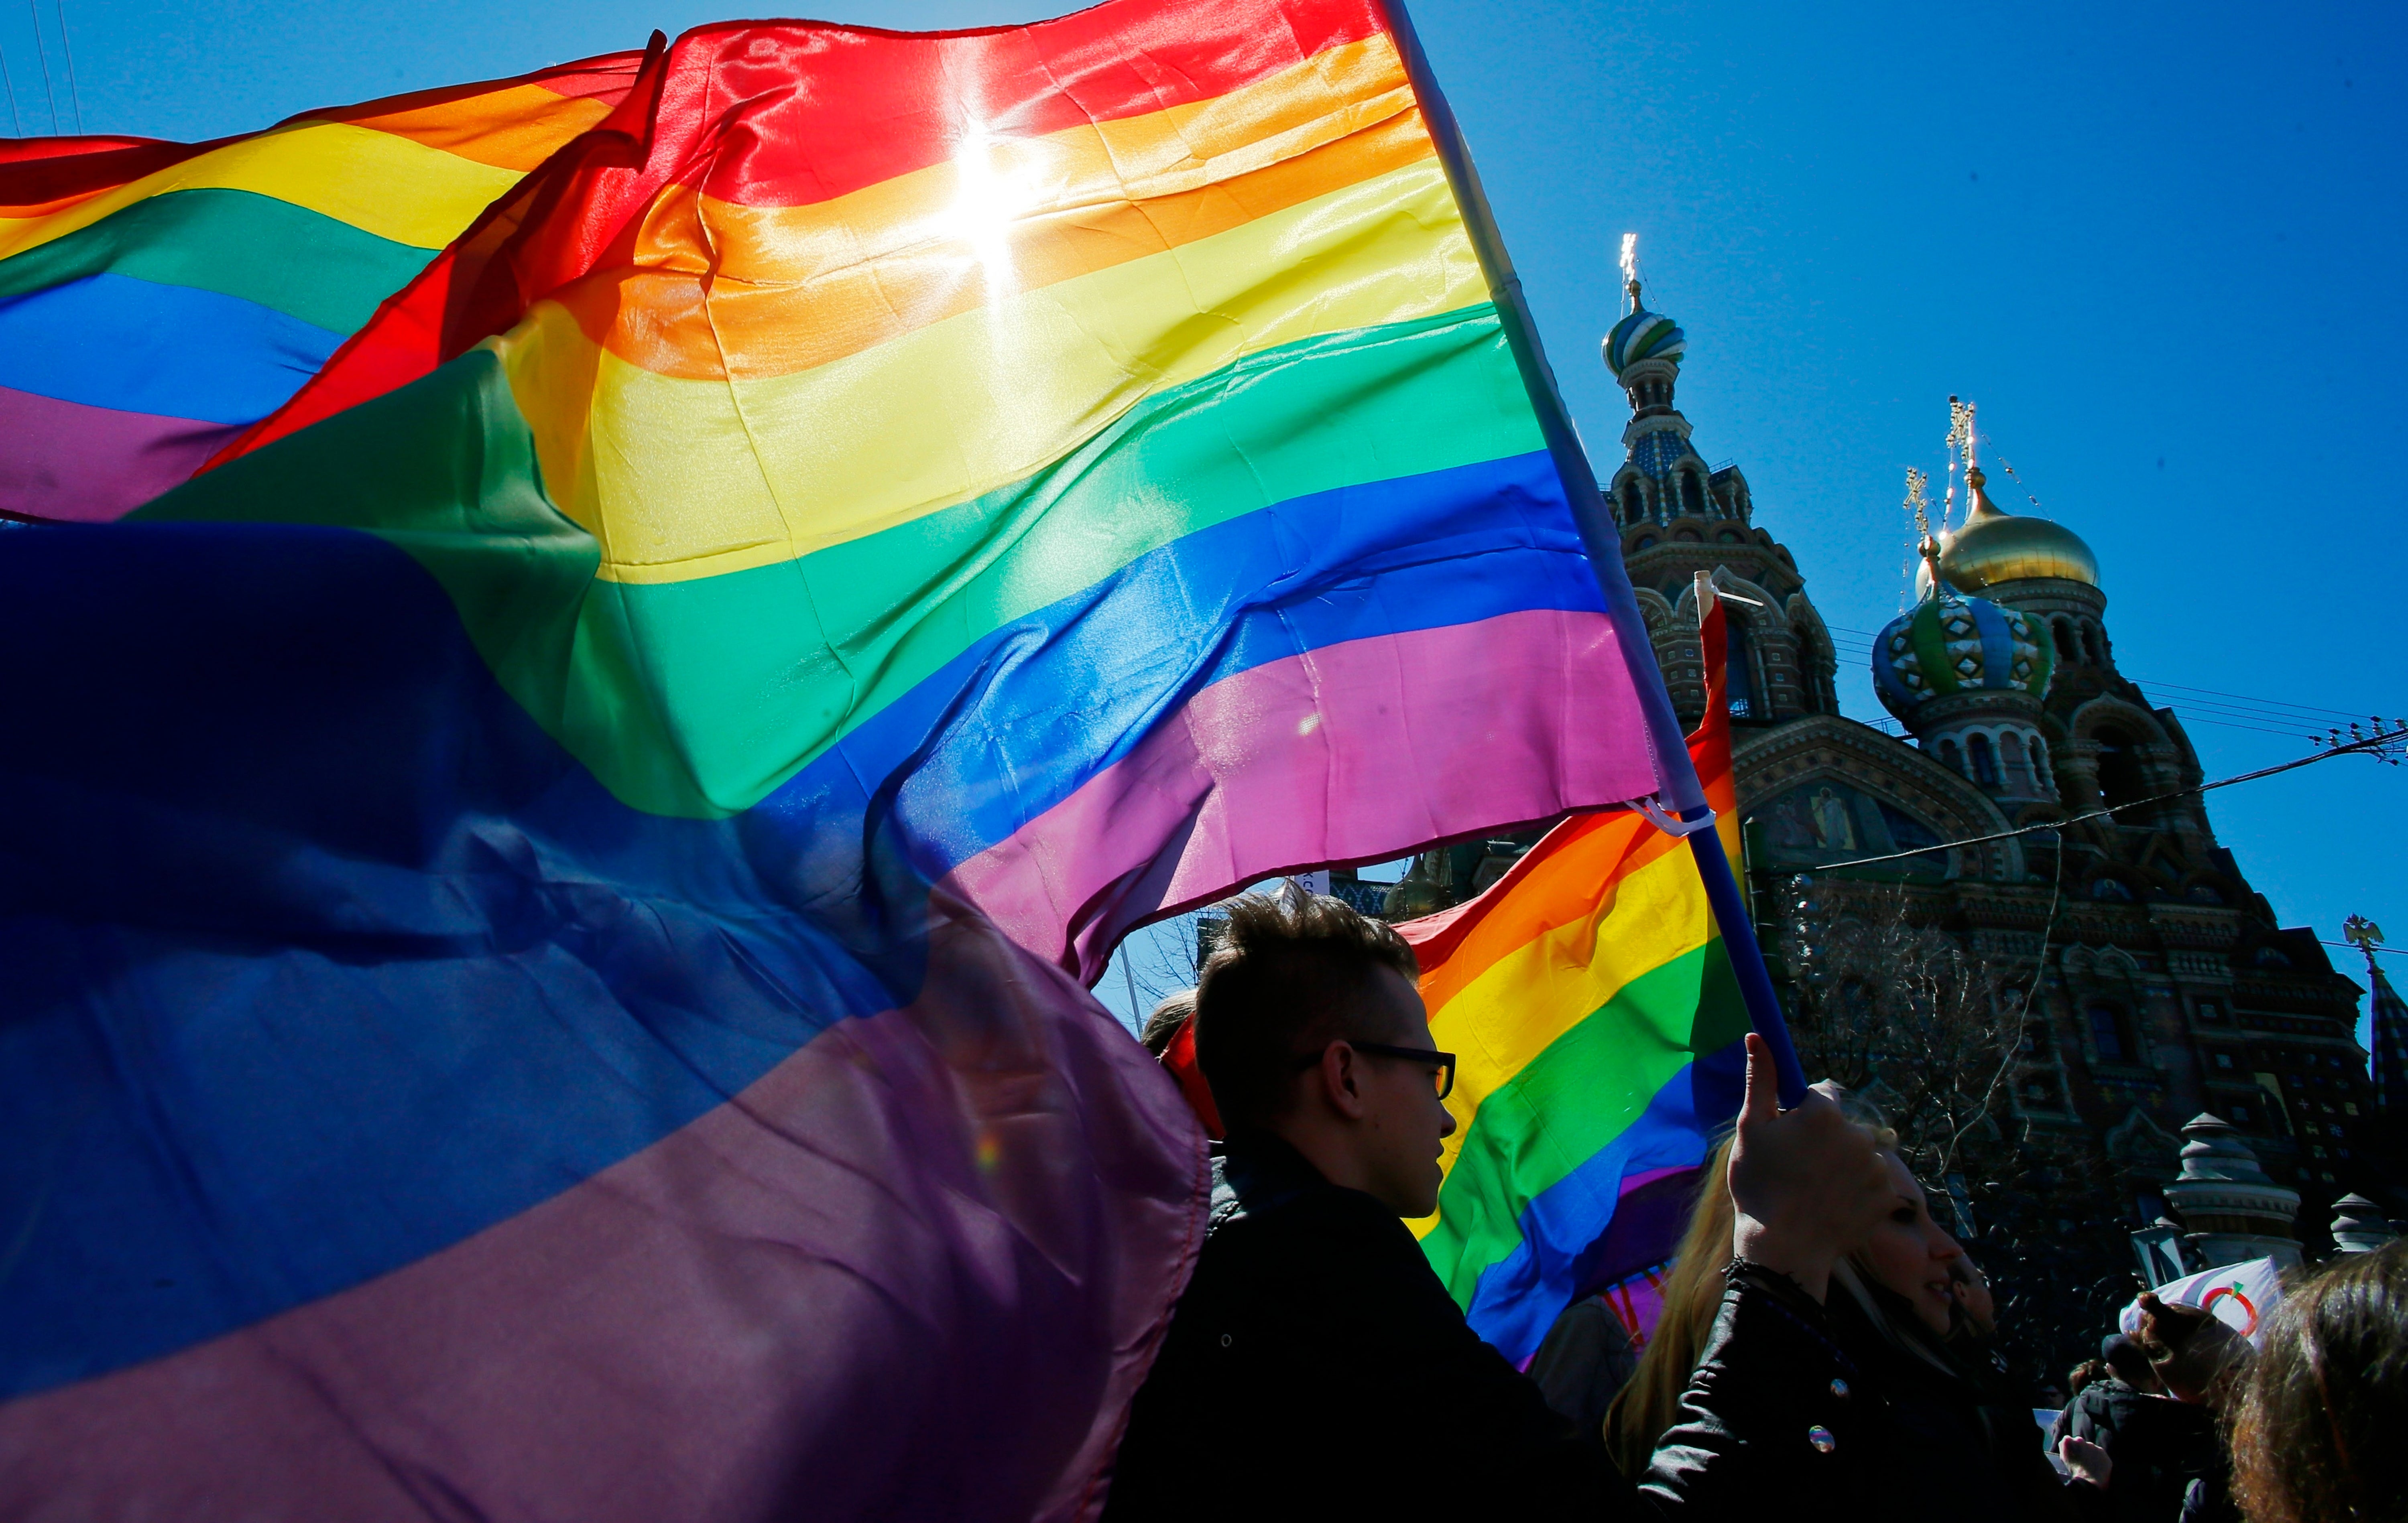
(1597, 1027)
(544, 893)
(158, 298)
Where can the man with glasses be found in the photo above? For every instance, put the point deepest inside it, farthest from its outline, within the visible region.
(1316, 1366)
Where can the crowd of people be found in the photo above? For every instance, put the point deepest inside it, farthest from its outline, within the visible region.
(1824, 1347)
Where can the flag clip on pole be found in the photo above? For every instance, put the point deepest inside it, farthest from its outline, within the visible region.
(1678, 790)
(1654, 814)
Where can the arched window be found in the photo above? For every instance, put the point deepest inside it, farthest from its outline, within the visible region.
(2090, 652)
(1740, 671)
(2011, 748)
(2120, 782)
(2067, 653)
(2107, 1033)
(1693, 497)
(1985, 766)
(1950, 756)
(1634, 505)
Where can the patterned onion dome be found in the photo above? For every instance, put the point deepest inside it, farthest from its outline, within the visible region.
(1644, 335)
(1951, 644)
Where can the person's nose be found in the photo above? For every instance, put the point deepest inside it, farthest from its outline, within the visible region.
(1446, 1121)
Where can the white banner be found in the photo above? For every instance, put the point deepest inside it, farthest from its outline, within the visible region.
(2241, 1295)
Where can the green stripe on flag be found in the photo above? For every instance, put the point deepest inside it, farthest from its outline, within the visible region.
(446, 469)
(237, 243)
(1573, 1101)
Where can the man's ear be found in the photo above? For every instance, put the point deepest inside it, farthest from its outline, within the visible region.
(1341, 1076)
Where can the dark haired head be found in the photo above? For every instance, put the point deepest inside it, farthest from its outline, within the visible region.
(2322, 1410)
(1168, 1017)
(1292, 972)
(2192, 1352)
(2127, 1362)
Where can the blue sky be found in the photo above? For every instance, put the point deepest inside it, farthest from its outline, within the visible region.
(2160, 244)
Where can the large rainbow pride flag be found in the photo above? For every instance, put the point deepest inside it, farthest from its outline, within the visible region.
(543, 895)
(1597, 1024)
(158, 298)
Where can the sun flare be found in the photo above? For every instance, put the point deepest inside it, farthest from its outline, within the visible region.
(996, 185)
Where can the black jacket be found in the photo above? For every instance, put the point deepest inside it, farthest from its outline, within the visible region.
(2157, 1445)
(1944, 1440)
(1317, 1368)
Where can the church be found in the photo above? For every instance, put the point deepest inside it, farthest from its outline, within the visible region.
(2161, 985)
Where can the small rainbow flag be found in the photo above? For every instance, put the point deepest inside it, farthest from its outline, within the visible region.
(158, 298)
(543, 894)
(1596, 1024)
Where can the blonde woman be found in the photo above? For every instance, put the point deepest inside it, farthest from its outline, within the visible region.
(1693, 1295)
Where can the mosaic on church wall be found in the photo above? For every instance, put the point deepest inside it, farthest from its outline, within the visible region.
(1829, 822)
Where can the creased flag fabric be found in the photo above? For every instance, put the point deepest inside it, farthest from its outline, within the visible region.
(1133, 357)
(1595, 1025)
(544, 893)
(2244, 1295)
(158, 298)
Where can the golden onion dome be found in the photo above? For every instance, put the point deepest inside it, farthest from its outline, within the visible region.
(1995, 547)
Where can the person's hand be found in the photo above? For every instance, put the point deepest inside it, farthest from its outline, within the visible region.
(1806, 1183)
(2086, 1460)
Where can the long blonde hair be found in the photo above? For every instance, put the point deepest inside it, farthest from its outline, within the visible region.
(1642, 1410)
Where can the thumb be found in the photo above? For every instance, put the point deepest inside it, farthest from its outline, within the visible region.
(1762, 1102)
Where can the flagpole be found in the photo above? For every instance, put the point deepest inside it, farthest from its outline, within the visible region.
(1676, 780)
(1730, 905)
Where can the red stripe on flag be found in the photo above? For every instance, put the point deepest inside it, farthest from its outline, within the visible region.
(826, 110)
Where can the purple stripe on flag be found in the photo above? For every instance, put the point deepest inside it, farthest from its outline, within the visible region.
(1321, 758)
(78, 463)
(1633, 1182)
(915, 1271)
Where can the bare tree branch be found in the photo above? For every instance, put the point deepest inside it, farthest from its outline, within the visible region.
(1905, 1013)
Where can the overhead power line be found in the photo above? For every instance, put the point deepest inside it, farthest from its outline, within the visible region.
(75, 96)
(2379, 746)
(2279, 703)
(2362, 946)
(34, 13)
(15, 124)
(2212, 706)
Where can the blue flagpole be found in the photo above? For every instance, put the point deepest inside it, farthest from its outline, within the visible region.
(1676, 780)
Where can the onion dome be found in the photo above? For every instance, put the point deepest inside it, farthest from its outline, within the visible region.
(1415, 894)
(1643, 335)
(1995, 547)
(1952, 644)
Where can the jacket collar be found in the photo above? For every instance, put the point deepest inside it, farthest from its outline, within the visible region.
(1258, 1170)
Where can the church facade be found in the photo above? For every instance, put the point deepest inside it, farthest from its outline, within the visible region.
(2162, 986)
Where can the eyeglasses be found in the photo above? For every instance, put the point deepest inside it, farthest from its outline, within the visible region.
(1442, 1062)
